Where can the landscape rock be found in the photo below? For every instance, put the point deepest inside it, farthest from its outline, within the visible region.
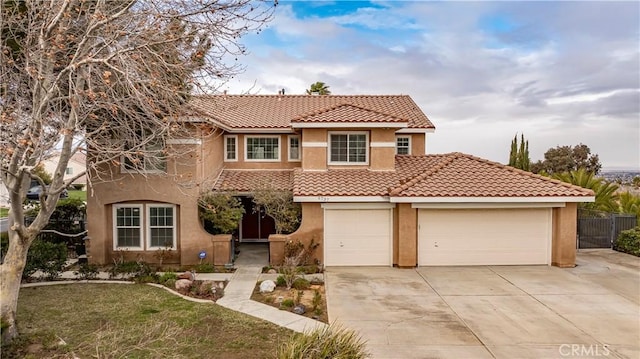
(272, 271)
(188, 275)
(183, 284)
(267, 286)
(299, 309)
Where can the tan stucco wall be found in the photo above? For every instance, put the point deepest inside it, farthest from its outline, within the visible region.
(418, 144)
(179, 186)
(314, 158)
(311, 228)
(563, 247)
(382, 158)
(405, 241)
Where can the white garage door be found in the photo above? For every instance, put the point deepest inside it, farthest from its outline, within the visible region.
(357, 237)
(484, 236)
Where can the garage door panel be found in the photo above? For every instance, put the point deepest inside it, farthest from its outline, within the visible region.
(481, 237)
(357, 237)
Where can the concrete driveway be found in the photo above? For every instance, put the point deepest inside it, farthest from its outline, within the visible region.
(592, 310)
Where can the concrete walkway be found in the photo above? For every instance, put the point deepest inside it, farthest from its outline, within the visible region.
(239, 290)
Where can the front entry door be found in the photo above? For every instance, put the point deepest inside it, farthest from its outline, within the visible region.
(256, 226)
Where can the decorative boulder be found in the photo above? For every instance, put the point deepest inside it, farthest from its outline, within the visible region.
(299, 309)
(188, 275)
(267, 286)
(183, 284)
(272, 271)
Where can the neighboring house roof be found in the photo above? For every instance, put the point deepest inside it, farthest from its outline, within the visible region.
(453, 175)
(249, 180)
(238, 112)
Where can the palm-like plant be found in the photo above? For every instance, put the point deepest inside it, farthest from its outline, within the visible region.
(629, 203)
(605, 192)
(319, 88)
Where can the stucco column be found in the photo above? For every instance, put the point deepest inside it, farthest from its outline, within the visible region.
(276, 248)
(221, 249)
(407, 219)
(563, 247)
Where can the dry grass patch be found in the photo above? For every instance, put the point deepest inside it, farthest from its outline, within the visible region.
(134, 321)
(313, 298)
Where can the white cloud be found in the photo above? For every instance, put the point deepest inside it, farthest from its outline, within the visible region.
(560, 79)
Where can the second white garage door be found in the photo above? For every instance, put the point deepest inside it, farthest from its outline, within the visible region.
(357, 237)
(484, 236)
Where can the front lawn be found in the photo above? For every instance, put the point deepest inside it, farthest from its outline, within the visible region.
(134, 321)
(4, 212)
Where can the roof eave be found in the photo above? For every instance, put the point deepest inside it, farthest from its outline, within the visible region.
(541, 199)
(349, 125)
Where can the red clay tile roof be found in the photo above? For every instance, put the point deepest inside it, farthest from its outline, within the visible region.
(249, 180)
(347, 182)
(435, 176)
(347, 113)
(277, 111)
(462, 175)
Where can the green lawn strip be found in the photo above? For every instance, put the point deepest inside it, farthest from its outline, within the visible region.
(82, 195)
(135, 321)
(4, 212)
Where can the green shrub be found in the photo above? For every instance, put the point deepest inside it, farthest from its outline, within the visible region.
(204, 268)
(287, 303)
(130, 269)
(629, 241)
(301, 284)
(222, 210)
(47, 257)
(331, 341)
(317, 300)
(87, 271)
(280, 281)
(167, 276)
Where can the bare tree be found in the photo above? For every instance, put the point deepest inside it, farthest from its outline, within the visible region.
(110, 77)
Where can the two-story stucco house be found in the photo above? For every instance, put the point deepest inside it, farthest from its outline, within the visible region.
(370, 193)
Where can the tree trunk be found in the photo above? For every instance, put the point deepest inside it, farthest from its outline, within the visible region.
(10, 279)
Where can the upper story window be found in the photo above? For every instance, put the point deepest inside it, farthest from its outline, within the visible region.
(151, 158)
(294, 148)
(68, 171)
(348, 147)
(403, 145)
(230, 148)
(262, 148)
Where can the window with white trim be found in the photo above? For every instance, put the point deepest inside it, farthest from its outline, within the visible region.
(262, 148)
(403, 145)
(127, 231)
(230, 148)
(153, 222)
(294, 148)
(149, 157)
(348, 147)
(68, 171)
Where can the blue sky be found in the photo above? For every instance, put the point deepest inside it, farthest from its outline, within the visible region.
(562, 73)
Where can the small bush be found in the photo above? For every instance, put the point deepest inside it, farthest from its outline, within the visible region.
(301, 284)
(287, 303)
(329, 342)
(87, 271)
(205, 268)
(629, 241)
(47, 257)
(280, 282)
(167, 276)
(317, 300)
(130, 269)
